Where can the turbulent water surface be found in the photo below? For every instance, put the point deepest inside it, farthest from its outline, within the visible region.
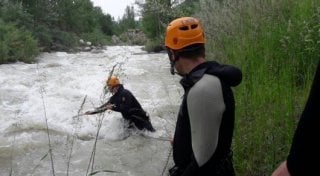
(39, 104)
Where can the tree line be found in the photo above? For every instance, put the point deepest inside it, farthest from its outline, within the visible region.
(29, 27)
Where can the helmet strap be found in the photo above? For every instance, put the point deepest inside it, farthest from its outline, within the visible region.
(172, 67)
(173, 57)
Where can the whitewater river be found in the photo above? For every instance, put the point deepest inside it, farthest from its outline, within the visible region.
(39, 104)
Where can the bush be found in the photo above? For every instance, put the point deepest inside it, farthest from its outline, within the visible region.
(153, 46)
(97, 38)
(43, 34)
(16, 44)
(63, 41)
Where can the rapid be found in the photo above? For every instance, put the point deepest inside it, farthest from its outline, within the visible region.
(43, 133)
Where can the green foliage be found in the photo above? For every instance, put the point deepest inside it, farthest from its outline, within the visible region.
(44, 36)
(96, 37)
(187, 8)
(156, 14)
(127, 21)
(276, 44)
(153, 46)
(301, 41)
(58, 25)
(106, 23)
(77, 16)
(16, 45)
(63, 41)
(14, 13)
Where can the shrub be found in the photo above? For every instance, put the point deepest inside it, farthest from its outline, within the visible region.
(16, 44)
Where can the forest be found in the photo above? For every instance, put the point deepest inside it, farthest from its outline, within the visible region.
(32, 26)
(276, 43)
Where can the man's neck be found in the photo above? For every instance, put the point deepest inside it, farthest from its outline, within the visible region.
(190, 64)
(115, 90)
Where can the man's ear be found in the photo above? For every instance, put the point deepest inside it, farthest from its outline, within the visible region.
(175, 56)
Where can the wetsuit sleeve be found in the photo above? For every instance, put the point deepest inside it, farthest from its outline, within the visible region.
(104, 105)
(98, 110)
(205, 106)
(304, 151)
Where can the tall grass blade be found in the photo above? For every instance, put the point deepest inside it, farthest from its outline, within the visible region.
(34, 169)
(110, 171)
(74, 135)
(42, 92)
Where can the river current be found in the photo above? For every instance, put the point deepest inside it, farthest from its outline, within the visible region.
(42, 133)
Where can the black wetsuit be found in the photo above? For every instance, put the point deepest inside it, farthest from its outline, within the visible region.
(131, 110)
(304, 152)
(211, 154)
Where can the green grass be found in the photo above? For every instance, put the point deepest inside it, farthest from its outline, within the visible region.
(277, 46)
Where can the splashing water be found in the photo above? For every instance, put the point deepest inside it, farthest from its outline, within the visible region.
(53, 91)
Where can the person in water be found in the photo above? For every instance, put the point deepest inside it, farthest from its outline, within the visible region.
(123, 101)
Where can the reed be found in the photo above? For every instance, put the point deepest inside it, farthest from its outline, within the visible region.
(42, 93)
(167, 162)
(11, 156)
(76, 118)
(94, 148)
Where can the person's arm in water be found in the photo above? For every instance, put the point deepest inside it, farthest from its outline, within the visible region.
(102, 108)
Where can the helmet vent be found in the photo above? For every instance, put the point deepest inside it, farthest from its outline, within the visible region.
(184, 28)
(194, 26)
(175, 40)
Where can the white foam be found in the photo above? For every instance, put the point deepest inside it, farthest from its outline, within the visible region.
(33, 96)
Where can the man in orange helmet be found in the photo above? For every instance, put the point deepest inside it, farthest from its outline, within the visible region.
(123, 101)
(204, 128)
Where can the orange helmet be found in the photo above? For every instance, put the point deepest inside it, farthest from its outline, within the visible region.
(183, 32)
(113, 81)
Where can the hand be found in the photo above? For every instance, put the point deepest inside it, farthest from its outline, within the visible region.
(175, 171)
(110, 106)
(282, 170)
(171, 142)
(88, 113)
